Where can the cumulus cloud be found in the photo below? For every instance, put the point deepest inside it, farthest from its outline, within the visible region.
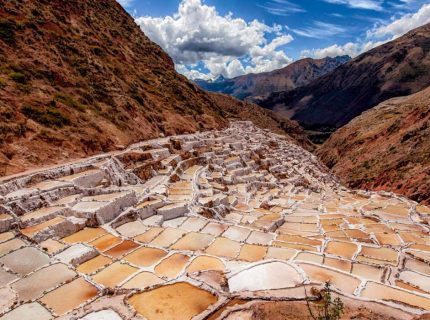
(402, 25)
(226, 45)
(360, 4)
(380, 34)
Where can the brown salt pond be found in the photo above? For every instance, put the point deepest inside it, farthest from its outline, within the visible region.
(149, 235)
(31, 231)
(203, 263)
(105, 242)
(122, 249)
(224, 247)
(342, 249)
(379, 291)
(168, 237)
(142, 280)
(172, 266)
(51, 246)
(251, 253)
(193, 241)
(145, 257)
(114, 274)
(342, 281)
(94, 264)
(85, 235)
(385, 254)
(179, 301)
(367, 272)
(77, 292)
(11, 245)
(280, 253)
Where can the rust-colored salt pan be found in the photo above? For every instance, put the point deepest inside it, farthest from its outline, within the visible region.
(224, 247)
(149, 235)
(172, 266)
(280, 253)
(202, 263)
(94, 264)
(341, 249)
(77, 292)
(382, 292)
(85, 235)
(342, 281)
(142, 280)
(145, 257)
(168, 237)
(179, 301)
(250, 252)
(193, 241)
(105, 242)
(114, 274)
(122, 249)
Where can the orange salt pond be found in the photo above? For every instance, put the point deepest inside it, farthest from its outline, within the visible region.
(122, 249)
(379, 291)
(105, 242)
(341, 249)
(205, 263)
(85, 235)
(193, 241)
(94, 264)
(114, 274)
(250, 252)
(179, 301)
(342, 281)
(77, 292)
(224, 247)
(142, 280)
(149, 235)
(171, 266)
(145, 257)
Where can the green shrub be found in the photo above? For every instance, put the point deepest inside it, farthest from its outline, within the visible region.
(325, 308)
(18, 77)
(69, 101)
(47, 116)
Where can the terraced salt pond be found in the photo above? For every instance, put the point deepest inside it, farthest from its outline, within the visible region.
(204, 226)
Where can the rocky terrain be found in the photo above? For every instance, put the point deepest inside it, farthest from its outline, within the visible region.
(229, 224)
(79, 78)
(386, 148)
(254, 87)
(397, 68)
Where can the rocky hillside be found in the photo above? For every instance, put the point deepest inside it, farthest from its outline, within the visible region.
(80, 77)
(254, 87)
(397, 68)
(386, 148)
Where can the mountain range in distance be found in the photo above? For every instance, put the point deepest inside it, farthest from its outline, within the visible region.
(254, 87)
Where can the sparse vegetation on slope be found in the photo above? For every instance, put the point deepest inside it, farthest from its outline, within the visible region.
(386, 148)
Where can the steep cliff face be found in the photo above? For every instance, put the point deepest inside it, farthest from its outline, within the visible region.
(386, 148)
(398, 68)
(254, 87)
(80, 77)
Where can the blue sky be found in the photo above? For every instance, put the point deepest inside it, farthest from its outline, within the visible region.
(207, 38)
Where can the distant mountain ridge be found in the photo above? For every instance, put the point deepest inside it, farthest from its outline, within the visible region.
(397, 68)
(256, 86)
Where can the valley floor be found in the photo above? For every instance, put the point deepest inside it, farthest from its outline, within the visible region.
(231, 224)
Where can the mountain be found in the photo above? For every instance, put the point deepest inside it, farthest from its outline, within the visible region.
(256, 86)
(385, 148)
(397, 68)
(80, 77)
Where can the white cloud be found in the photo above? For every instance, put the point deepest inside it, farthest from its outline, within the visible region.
(375, 37)
(197, 32)
(360, 4)
(320, 30)
(402, 25)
